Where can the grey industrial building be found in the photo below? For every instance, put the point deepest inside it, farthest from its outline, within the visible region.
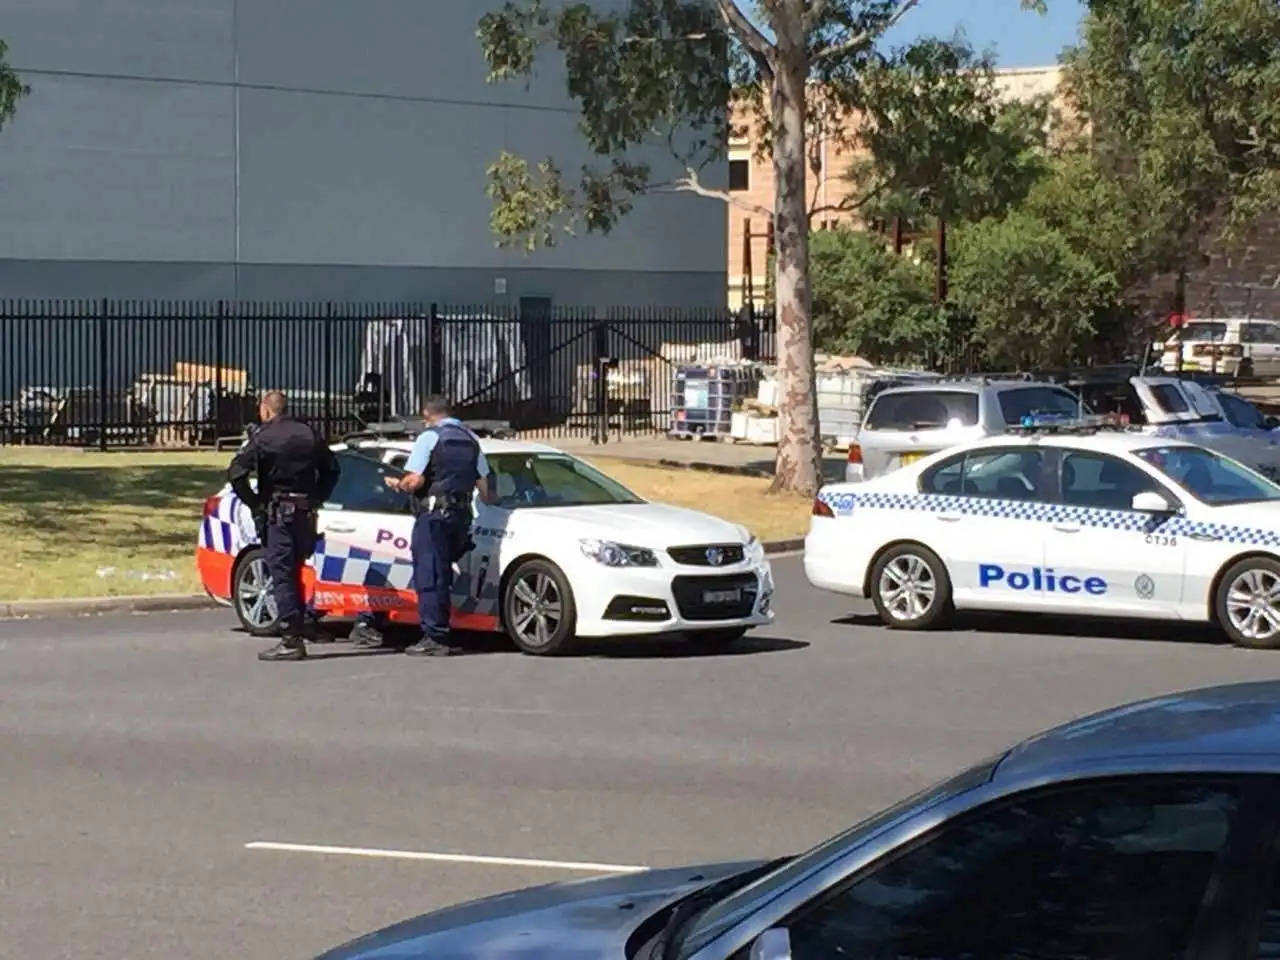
(300, 149)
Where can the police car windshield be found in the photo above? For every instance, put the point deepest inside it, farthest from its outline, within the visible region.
(522, 480)
(1210, 477)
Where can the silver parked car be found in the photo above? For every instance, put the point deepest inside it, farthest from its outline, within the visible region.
(1147, 832)
(903, 424)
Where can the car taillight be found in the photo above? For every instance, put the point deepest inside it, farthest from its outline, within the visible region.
(211, 505)
(855, 453)
(821, 508)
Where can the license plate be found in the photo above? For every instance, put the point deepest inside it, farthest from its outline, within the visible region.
(721, 596)
(909, 458)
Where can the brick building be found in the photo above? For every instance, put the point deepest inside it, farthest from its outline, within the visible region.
(751, 178)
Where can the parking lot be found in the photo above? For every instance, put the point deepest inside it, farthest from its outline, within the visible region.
(156, 776)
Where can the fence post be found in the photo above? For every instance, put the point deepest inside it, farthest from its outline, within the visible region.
(102, 374)
(435, 361)
(599, 360)
(218, 324)
(328, 370)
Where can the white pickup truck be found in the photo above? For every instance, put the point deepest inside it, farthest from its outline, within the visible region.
(1174, 407)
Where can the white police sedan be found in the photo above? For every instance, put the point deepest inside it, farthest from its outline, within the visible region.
(565, 552)
(1073, 519)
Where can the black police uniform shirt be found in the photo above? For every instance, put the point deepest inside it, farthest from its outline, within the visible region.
(288, 457)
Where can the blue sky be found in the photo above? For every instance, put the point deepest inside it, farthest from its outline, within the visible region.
(1019, 38)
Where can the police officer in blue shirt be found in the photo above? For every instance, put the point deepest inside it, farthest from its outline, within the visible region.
(443, 471)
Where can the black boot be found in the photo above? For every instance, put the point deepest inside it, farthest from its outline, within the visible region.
(426, 647)
(289, 648)
(366, 635)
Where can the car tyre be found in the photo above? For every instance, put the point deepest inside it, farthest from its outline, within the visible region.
(1248, 603)
(538, 611)
(251, 595)
(910, 588)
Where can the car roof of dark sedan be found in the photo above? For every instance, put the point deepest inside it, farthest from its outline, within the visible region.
(1240, 720)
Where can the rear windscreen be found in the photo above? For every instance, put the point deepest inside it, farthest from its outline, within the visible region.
(1170, 398)
(922, 410)
(1204, 332)
(1020, 402)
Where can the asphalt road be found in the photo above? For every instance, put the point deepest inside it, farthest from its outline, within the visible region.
(139, 756)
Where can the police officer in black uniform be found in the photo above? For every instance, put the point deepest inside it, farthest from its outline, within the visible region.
(296, 472)
(444, 469)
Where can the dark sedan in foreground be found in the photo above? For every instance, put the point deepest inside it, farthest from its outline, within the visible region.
(1149, 831)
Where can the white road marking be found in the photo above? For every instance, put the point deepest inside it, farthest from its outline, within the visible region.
(445, 857)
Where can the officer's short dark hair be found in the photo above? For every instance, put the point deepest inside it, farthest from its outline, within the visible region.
(437, 406)
(274, 400)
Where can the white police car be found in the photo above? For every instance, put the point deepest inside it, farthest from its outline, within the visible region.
(1069, 519)
(565, 552)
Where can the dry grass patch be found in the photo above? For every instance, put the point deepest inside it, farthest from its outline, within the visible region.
(86, 524)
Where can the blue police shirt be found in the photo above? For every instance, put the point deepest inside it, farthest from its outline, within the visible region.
(420, 456)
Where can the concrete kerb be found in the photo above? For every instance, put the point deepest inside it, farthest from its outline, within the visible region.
(173, 603)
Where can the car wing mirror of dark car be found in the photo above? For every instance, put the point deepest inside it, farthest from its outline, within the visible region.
(1271, 422)
(773, 944)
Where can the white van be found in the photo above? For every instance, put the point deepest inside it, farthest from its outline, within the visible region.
(1234, 347)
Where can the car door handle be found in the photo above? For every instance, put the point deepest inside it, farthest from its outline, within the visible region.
(1063, 528)
(339, 528)
(1205, 537)
(947, 517)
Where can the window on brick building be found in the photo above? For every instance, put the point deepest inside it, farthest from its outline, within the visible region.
(739, 175)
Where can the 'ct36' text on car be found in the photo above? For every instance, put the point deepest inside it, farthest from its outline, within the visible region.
(1143, 833)
(565, 552)
(1078, 520)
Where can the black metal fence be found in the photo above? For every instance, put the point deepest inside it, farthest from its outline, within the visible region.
(129, 373)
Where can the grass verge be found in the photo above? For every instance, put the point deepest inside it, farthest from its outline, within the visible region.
(87, 524)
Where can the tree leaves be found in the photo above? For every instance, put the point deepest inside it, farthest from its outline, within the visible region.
(12, 89)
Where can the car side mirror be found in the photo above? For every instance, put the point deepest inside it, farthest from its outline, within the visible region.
(1271, 422)
(773, 944)
(1151, 502)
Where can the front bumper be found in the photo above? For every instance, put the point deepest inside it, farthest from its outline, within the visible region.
(644, 601)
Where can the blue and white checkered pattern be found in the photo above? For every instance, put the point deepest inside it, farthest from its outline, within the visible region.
(845, 504)
(356, 566)
(230, 529)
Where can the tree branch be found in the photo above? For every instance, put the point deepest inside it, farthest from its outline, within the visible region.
(864, 37)
(847, 205)
(747, 32)
(690, 183)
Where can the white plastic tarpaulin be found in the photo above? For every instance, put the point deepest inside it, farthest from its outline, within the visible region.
(477, 352)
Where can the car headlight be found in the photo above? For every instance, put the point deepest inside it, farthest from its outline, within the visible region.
(754, 550)
(618, 554)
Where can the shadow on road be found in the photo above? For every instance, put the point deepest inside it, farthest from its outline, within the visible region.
(1164, 631)
(482, 644)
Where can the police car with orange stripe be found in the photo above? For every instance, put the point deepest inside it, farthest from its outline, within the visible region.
(565, 552)
(1080, 517)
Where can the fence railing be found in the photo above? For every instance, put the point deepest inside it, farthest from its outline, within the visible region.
(136, 373)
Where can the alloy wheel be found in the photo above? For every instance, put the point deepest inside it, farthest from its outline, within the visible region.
(907, 587)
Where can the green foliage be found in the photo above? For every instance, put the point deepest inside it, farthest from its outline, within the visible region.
(1034, 297)
(11, 88)
(939, 140)
(869, 301)
(656, 73)
(1184, 100)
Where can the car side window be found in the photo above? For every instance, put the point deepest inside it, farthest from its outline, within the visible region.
(945, 478)
(361, 486)
(1017, 473)
(1241, 413)
(1105, 870)
(1096, 480)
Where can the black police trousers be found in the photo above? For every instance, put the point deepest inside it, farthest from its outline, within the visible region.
(440, 537)
(290, 541)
